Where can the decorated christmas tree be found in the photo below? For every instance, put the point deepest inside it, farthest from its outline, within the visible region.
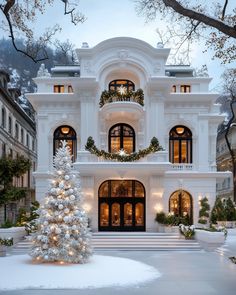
(63, 234)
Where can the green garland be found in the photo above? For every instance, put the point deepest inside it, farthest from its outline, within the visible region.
(108, 96)
(153, 147)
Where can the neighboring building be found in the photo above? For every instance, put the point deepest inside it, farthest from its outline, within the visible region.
(17, 137)
(178, 109)
(224, 187)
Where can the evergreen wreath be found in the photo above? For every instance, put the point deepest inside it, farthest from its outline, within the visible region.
(153, 147)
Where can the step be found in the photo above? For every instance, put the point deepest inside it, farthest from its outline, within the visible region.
(129, 241)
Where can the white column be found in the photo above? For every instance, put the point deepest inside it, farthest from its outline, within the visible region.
(89, 121)
(42, 143)
(203, 145)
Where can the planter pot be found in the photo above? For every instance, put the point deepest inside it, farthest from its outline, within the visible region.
(17, 233)
(2, 251)
(209, 240)
(227, 224)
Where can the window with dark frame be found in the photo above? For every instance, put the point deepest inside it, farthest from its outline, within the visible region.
(59, 88)
(121, 137)
(117, 84)
(68, 134)
(180, 145)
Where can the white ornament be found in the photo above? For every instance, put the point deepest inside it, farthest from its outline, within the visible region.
(58, 231)
(45, 223)
(46, 257)
(68, 166)
(71, 191)
(74, 227)
(60, 206)
(67, 177)
(67, 210)
(66, 218)
(61, 185)
(72, 197)
(67, 236)
(45, 246)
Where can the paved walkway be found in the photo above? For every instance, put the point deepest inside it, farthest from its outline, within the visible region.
(202, 273)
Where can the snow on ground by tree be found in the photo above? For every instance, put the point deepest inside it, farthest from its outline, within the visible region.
(19, 272)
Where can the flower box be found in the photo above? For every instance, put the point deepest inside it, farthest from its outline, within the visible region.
(208, 239)
(17, 233)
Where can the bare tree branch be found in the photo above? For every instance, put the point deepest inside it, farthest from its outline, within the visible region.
(207, 20)
(224, 10)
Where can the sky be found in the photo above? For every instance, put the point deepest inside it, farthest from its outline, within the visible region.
(109, 18)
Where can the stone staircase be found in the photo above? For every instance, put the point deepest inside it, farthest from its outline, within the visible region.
(130, 241)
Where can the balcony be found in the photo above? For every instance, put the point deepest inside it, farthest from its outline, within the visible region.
(110, 96)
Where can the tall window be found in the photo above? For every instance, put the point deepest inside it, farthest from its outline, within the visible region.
(59, 88)
(9, 125)
(3, 122)
(180, 145)
(65, 133)
(16, 131)
(121, 136)
(22, 135)
(119, 84)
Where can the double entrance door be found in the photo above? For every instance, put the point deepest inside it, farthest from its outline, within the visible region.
(121, 212)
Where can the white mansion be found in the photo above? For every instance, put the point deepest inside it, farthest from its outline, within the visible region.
(123, 95)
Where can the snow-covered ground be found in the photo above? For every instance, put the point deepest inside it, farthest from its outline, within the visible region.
(19, 272)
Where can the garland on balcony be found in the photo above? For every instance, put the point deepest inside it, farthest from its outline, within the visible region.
(113, 96)
(121, 156)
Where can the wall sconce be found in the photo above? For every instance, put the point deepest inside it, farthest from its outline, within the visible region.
(158, 208)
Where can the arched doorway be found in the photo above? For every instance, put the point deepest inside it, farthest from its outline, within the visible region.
(121, 206)
(181, 205)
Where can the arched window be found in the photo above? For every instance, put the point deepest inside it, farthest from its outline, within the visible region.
(121, 136)
(3, 122)
(121, 84)
(65, 133)
(180, 145)
(181, 205)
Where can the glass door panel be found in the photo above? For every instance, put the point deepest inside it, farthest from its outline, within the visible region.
(115, 214)
(128, 214)
(104, 214)
(139, 214)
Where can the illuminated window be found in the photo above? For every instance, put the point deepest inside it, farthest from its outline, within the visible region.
(121, 136)
(65, 133)
(185, 88)
(173, 88)
(70, 89)
(180, 145)
(121, 84)
(59, 88)
(180, 204)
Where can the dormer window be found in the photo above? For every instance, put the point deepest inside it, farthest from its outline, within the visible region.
(121, 85)
(59, 88)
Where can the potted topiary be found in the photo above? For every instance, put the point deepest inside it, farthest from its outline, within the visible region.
(5, 242)
(204, 212)
(160, 219)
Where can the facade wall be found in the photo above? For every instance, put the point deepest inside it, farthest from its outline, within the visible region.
(134, 60)
(13, 143)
